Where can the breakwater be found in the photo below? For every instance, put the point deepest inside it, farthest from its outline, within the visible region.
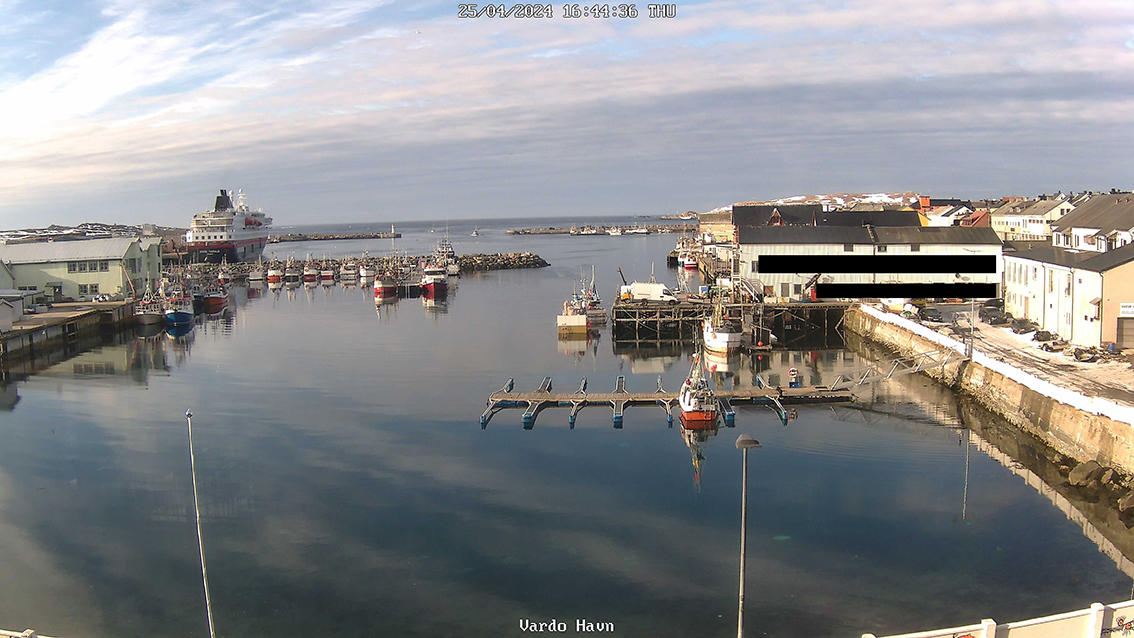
(275, 239)
(1092, 438)
(468, 263)
(588, 231)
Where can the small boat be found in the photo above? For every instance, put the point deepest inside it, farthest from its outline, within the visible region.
(215, 300)
(697, 401)
(223, 276)
(573, 321)
(292, 272)
(326, 274)
(179, 309)
(640, 230)
(257, 272)
(310, 271)
(432, 230)
(348, 271)
(386, 287)
(474, 233)
(721, 333)
(275, 275)
(614, 231)
(149, 310)
(434, 281)
(365, 272)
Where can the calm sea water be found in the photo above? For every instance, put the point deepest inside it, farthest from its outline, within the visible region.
(348, 489)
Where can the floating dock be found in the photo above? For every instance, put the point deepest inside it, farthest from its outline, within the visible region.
(619, 399)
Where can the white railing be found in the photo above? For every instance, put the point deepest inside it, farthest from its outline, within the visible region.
(1097, 621)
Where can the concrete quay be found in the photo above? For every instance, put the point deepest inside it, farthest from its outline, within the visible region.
(62, 326)
(1080, 428)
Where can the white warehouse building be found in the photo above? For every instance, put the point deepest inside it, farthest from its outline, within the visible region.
(84, 269)
(800, 241)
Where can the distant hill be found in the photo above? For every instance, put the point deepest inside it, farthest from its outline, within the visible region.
(87, 230)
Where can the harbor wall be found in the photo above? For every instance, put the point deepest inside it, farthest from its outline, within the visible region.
(1080, 427)
(37, 335)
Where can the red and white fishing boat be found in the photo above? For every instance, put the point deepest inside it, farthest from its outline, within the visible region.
(310, 272)
(326, 273)
(697, 401)
(688, 262)
(275, 275)
(223, 276)
(434, 281)
(215, 300)
(386, 286)
(720, 333)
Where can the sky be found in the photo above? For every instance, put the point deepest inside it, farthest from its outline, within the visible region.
(348, 110)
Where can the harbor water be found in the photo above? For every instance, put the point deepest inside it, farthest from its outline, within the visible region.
(348, 488)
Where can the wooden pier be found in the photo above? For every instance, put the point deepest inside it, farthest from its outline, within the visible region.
(619, 399)
(640, 322)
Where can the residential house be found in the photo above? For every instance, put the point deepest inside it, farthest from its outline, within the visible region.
(1102, 223)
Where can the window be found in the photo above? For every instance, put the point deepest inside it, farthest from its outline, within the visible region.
(753, 266)
(92, 266)
(28, 288)
(797, 288)
(72, 266)
(92, 289)
(1076, 241)
(1050, 281)
(848, 248)
(882, 249)
(915, 248)
(82, 289)
(82, 266)
(104, 266)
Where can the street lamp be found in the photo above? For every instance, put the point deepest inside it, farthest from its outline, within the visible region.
(743, 442)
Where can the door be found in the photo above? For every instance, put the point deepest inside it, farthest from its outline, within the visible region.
(1126, 333)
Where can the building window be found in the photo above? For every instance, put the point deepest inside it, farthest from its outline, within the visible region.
(797, 288)
(93, 289)
(915, 248)
(82, 266)
(753, 266)
(882, 249)
(1050, 281)
(93, 266)
(848, 248)
(72, 266)
(104, 266)
(82, 289)
(1076, 241)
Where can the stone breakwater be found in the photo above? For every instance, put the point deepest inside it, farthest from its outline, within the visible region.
(275, 239)
(468, 263)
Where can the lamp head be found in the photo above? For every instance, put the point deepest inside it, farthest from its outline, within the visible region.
(744, 442)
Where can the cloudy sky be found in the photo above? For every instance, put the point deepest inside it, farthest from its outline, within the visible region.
(350, 110)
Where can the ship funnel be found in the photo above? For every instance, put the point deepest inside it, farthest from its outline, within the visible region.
(224, 202)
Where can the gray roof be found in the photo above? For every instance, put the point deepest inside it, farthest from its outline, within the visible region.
(802, 235)
(1042, 207)
(56, 251)
(1105, 212)
(1013, 208)
(937, 235)
(1108, 260)
(1052, 255)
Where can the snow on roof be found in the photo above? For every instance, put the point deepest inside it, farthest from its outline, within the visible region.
(53, 251)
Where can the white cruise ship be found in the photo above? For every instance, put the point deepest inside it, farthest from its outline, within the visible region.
(228, 231)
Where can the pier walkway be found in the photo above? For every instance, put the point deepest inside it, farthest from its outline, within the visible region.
(619, 399)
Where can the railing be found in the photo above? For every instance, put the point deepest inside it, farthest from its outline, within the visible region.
(1097, 621)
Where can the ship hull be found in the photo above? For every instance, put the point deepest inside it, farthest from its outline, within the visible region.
(699, 419)
(213, 253)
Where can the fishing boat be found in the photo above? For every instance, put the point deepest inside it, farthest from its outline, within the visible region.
(697, 401)
(326, 274)
(614, 231)
(721, 333)
(639, 230)
(310, 271)
(446, 257)
(215, 300)
(292, 272)
(573, 321)
(434, 281)
(257, 272)
(348, 271)
(588, 300)
(224, 277)
(178, 308)
(150, 310)
(386, 286)
(275, 275)
(366, 272)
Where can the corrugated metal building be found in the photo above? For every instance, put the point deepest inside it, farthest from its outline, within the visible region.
(84, 269)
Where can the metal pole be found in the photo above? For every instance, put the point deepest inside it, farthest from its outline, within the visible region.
(743, 537)
(200, 542)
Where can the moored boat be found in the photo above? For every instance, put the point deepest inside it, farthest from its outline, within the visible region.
(224, 277)
(257, 272)
(385, 287)
(275, 275)
(230, 231)
(179, 309)
(434, 281)
(348, 271)
(696, 400)
(325, 272)
(149, 310)
(292, 273)
(215, 300)
(310, 271)
(720, 333)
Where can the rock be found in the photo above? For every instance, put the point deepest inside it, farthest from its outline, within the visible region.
(1126, 503)
(1094, 485)
(1107, 477)
(1084, 472)
(1064, 469)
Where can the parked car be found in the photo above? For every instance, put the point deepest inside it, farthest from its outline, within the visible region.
(991, 315)
(994, 303)
(1020, 326)
(1043, 335)
(919, 303)
(932, 314)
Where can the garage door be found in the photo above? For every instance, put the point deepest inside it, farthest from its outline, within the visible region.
(1126, 333)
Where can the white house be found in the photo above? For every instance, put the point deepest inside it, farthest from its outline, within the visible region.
(1086, 298)
(1030, 220)
(1103, 223)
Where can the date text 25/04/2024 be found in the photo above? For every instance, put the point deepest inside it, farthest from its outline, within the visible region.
(566, 11)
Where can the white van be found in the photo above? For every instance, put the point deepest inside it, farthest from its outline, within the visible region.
(639, 291)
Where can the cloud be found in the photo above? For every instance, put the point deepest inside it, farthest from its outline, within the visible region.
(151, 93)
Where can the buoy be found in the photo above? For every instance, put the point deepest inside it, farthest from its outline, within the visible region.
(759, 343)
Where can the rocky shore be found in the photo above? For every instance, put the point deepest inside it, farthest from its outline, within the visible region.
(275, 239)
(468, 263)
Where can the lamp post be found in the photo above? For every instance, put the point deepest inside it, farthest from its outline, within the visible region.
(743, 442)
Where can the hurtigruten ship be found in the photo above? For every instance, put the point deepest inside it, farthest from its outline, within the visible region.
(233, 232)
